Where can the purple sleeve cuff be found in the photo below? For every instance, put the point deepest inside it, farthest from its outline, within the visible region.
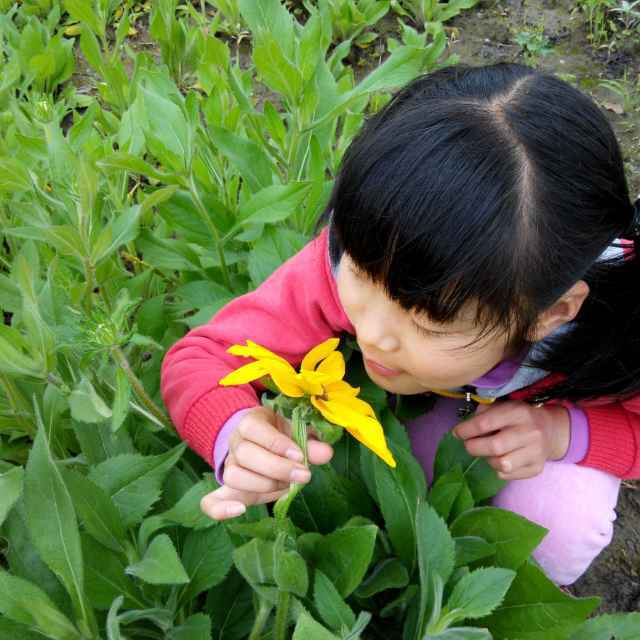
(221, 447)
(579, 438)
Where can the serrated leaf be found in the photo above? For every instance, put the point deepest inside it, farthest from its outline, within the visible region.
(515, 537)
(333, 610)
(160, 563)
(345, 554)
(134, 481)
(207, 559)
(534, 607)
(478, 593)
(96, 510)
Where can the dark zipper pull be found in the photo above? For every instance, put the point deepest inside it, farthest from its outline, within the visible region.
(469, 407)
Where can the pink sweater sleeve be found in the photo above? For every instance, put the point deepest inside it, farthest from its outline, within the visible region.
(293, 310)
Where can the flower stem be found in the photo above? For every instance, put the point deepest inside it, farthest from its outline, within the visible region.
(299, 425)
(282, 616)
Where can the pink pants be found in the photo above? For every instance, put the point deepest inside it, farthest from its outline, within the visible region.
(576, 504)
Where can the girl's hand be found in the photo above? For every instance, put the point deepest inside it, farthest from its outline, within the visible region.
(515, 437)
(257, 469)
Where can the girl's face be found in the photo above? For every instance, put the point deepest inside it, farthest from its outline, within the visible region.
(421, 355)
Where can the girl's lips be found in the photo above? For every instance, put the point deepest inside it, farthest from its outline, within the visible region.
(379, 369)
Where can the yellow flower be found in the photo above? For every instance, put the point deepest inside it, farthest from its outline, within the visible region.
(320, 379)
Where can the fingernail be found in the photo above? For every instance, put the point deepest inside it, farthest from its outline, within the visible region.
(455, 435)
(300, 475)
(294, 454)
(235, 510)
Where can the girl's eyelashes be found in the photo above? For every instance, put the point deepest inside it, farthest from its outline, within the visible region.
(428, 332)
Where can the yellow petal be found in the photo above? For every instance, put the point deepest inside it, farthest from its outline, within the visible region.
(342, 387)
(284, 378)
(318, 353)
(333, 365)
(310, 386)
(355, 404)
(253, 350)
(365, 429)
(247, 373)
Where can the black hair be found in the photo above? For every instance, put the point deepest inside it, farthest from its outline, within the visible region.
(502, 185)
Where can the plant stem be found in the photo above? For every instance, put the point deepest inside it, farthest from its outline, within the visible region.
(264, 611)
(282, 616)
(212, 228)
(146, 400)
(299, 424)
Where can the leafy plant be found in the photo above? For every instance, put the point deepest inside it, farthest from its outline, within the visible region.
(533, 44)
(423, 11)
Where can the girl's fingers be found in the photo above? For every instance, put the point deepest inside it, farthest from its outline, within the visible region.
(253, 457)
(504, 414)
(220, 504)
(238, 477)
(256, 428)
(500, 443)
(319, 452)
(521, 463)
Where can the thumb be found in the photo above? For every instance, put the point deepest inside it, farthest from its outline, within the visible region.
(481, 408)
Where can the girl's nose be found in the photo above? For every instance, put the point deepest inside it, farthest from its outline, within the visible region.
(377, 335)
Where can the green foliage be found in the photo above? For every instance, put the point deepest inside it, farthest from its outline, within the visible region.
(138, 198)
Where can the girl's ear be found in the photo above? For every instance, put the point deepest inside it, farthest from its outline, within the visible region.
(565, 309)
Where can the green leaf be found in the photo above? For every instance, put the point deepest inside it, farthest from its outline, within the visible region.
(96, 510)
(478, 593)
(231, 607)
(289, 568)
(254, 561)
(275, 69)
(24, 602)
(445, 490)
(345, 554)
(51, 519)
(14, 176)
(619, 626)
(195, 627)
(13, 360)
(333, 610)
(86, 405)
(186, 512)
(308, 629)
(121, 230)
(136, 165)
(480, 476)
(246, 156)
(388, 574)
(10, 490)
(207, 559)
(436, 553)
(105, 577)
(10, 630)
(273, 247)
(84, 11)
(399, 490)
(472, 548)
(165, 128)
(515, 537)
(534, 607)
(160, 564)
(134, 481)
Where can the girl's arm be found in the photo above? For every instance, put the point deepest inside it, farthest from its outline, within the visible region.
(296, 308)
(614, 438)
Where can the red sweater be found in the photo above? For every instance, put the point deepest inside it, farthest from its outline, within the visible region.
(296, 308)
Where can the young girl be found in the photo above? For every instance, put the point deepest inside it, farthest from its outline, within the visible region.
(470, 246)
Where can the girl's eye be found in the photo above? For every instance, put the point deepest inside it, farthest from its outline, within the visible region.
(428, 333)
